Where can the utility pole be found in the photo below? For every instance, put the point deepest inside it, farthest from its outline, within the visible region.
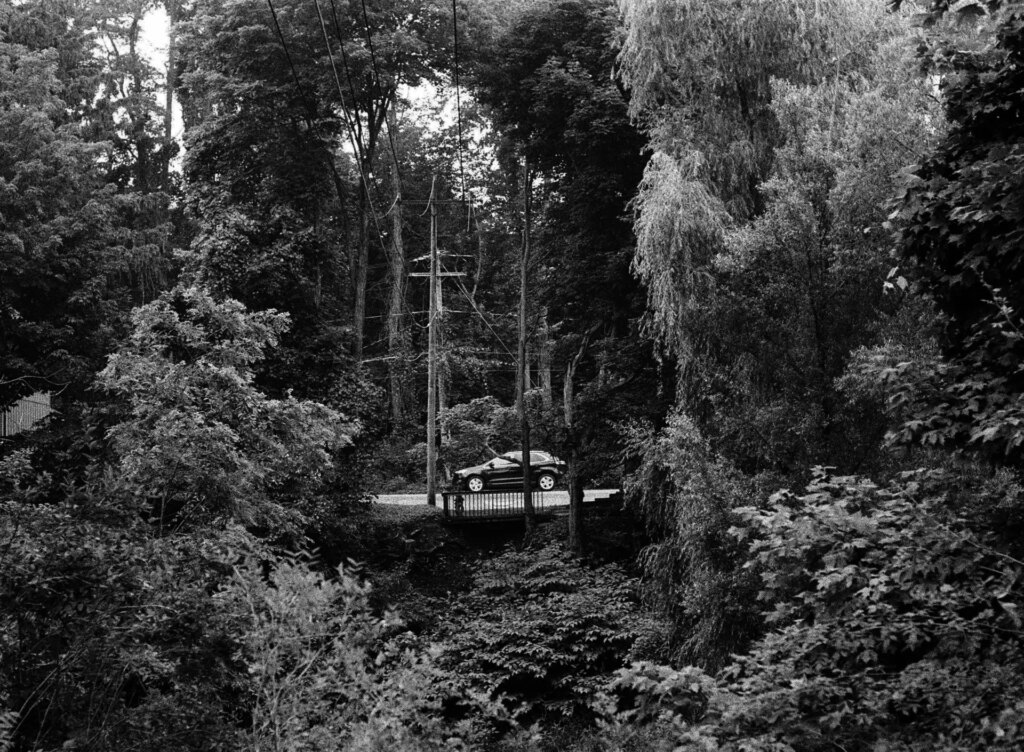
(432, 360)
(524, 421)
(442, 359)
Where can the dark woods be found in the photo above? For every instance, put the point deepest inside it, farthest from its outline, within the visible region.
(774, 294)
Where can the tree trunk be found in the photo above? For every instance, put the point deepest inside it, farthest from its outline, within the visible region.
(572, 441)
(524, 422)
(529, 371)
(138, 120)
(576, 536)
(170, 83)
(575, 487)
(397, 351)
(360, 260)
(544, 361)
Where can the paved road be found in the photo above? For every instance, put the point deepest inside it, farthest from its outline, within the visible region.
(551, 498)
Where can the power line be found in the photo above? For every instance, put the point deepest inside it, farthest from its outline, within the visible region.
(355, 100)
(380, 89)
(458, 98)
(310, 111)
(348, 72)
(356, 145)
(465, 292)
(311, 116)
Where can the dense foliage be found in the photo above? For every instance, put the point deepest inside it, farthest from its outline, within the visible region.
(201, 442)
(775, 290)
(963, 215)
(890, 625)
(539, 629)
(80, 242)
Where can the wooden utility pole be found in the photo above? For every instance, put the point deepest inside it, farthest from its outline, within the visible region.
(524, 421)
(442, 359)
(432, 359)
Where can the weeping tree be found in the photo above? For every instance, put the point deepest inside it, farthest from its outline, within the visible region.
(705, 82)
(776, 131)
(699, 76)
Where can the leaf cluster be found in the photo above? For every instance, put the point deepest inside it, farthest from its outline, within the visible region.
(324, 671)
(201, 442)
(693, 569)
(538, 629)
(962, 215)
(891, 625)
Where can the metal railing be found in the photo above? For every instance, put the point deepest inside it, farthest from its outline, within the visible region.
(466, 506)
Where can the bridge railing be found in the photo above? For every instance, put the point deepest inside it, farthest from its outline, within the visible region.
(468, 506)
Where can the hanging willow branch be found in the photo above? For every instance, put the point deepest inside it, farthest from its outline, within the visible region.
(679, 227)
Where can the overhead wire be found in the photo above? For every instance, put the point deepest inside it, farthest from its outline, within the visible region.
(311, 116)
(356, 145)
(479, 313)
(344, 62)
(310, 111)
(355, 98)
(458, 97)
(380, 89)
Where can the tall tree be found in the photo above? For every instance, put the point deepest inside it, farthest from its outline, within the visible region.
(287, 124)
(79, 245)
(267, 186)
(759, 231)
(547, 78)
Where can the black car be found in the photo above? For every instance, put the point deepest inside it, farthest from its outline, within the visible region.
(506, 471)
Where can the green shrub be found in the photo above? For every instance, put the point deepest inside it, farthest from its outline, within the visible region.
(323, 671)
(891, 626)
(540, 629)
(693, 569)
(201, 442)
(108, 636)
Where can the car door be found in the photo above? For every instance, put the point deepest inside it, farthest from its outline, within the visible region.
(503, 472)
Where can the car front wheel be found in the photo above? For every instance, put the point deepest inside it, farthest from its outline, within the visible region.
(546, 482)
(475, 484)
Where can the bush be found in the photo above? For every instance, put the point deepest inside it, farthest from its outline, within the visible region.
(891, 626)
(201, 441)
(539, 631)
(693, 570)
(108, 637)
(323, 672)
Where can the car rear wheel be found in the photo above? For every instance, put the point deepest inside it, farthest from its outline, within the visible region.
(475, 483)
(546, 481)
